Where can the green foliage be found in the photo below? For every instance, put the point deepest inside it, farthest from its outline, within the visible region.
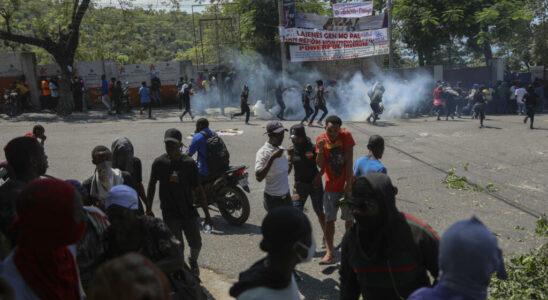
(542, 226)
(452, 181)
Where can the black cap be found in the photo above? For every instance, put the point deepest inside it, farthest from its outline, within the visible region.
(297, 131)
(173, 135)
(274, 127)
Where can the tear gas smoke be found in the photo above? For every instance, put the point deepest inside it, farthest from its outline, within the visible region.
(347, 97)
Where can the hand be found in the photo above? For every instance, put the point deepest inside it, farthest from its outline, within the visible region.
(209, 222)
(317, 181)
(321, 144)
(278, 153)
(290, 151)
(347, 187)
(43, 138)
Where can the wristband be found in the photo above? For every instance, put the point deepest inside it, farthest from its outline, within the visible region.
(148, 212)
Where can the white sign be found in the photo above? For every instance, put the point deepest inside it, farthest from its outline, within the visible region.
(315, 21)
(324, 37)
(302, 53)
(352, 10)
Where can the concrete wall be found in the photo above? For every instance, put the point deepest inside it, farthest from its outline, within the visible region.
(339, 68)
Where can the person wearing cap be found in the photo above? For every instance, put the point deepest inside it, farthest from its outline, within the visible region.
(244, 106)
(335, 151)
(179, 179)
(147, 235)
(319, 103)
(288, 241)
(105, 176)
(469, 255)
(386, 254)
(370, 163)
(308, 180)
(273, 166)
(307, 97)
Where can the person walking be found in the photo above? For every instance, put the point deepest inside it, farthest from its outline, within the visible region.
(46, 94)
(156, 84)
(512, 99)
(117, 97)
(319, 103)
(273, 166)
(54, 88)
(104, 93)
(144, 92)
(308, 179)
(180, 83)
(439, 104)
(280, 100)
(479, 105)
(306, 99)
(334, 150)
(244, 106)
(520, 93)
(179, 184)
(531, 100)
(186, 91)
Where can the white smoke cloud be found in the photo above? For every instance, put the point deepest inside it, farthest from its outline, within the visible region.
(346, 98)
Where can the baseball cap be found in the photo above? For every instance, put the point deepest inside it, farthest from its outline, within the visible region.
(297, 131)
(173, 135)
(274, 127)
(122, 195)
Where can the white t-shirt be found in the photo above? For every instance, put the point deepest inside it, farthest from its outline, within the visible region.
(185, 86)
(291, 292)
(519, 94)
(277, 178)
(513, 92)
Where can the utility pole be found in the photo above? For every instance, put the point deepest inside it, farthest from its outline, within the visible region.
(283, 49)
(390, 49)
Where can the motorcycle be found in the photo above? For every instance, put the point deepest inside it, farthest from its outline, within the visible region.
(227, 194)
(4, 172)
(11, 106)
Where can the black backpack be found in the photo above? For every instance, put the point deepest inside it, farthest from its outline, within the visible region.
(218, 157)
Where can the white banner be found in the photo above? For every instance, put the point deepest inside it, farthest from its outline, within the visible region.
(324, 37)
(315, 21)
(302, 53)
(352, 10)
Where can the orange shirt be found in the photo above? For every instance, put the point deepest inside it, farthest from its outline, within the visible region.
(335, 165)
(45, 88)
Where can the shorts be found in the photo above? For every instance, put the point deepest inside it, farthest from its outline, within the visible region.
(303, 190)
(330, 204)
(270, 202)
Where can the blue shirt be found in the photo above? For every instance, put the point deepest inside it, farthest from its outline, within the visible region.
(54, 90)
(143, 91)
(104, 87)
(366, 165)
(199, 144)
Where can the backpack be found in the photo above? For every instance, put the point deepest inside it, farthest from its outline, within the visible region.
(218, 157)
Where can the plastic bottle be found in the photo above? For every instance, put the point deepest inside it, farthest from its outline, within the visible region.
(206, 228)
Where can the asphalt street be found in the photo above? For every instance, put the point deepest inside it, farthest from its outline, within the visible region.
(506, 156)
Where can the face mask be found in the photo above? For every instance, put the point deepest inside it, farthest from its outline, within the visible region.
(106, 165)
(369, 223)
(311, 250)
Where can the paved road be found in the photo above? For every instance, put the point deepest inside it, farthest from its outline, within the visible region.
(419, 152)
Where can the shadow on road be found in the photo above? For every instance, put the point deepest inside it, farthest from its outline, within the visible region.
(222, 227)
(312, 288)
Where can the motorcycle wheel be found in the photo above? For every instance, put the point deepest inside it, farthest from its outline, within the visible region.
(235, 205)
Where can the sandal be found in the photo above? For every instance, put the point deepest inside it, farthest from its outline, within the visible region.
(327, 260)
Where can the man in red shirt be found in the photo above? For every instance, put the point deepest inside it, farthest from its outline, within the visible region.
(335, 158)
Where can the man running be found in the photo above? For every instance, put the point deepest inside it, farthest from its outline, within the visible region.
(479, 105)
(306, 98)
(376, 93)
(280, 101)
(319, 103)
(186, 91)
(244, 106)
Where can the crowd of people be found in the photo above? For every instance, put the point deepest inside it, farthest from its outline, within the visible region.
(103, 222)
(500, 98)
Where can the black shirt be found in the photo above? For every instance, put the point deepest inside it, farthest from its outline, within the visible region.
(137, 172)
(304, 162)
(177, 182)
(9, 192)
(530, 99)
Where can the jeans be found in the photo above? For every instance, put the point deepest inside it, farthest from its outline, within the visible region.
(521, 108)
(106, 101)
(308, 112)
(190, 227)
(317, 109)
(157, 97)
(270, 202)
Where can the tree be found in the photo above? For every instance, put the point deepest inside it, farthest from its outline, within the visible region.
(60, 42)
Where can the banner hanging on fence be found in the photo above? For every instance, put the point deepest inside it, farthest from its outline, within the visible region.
(300, 53)
(325, 37)
(315, 21)
(352, 10)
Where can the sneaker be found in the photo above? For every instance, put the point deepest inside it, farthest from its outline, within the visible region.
(194, 267)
